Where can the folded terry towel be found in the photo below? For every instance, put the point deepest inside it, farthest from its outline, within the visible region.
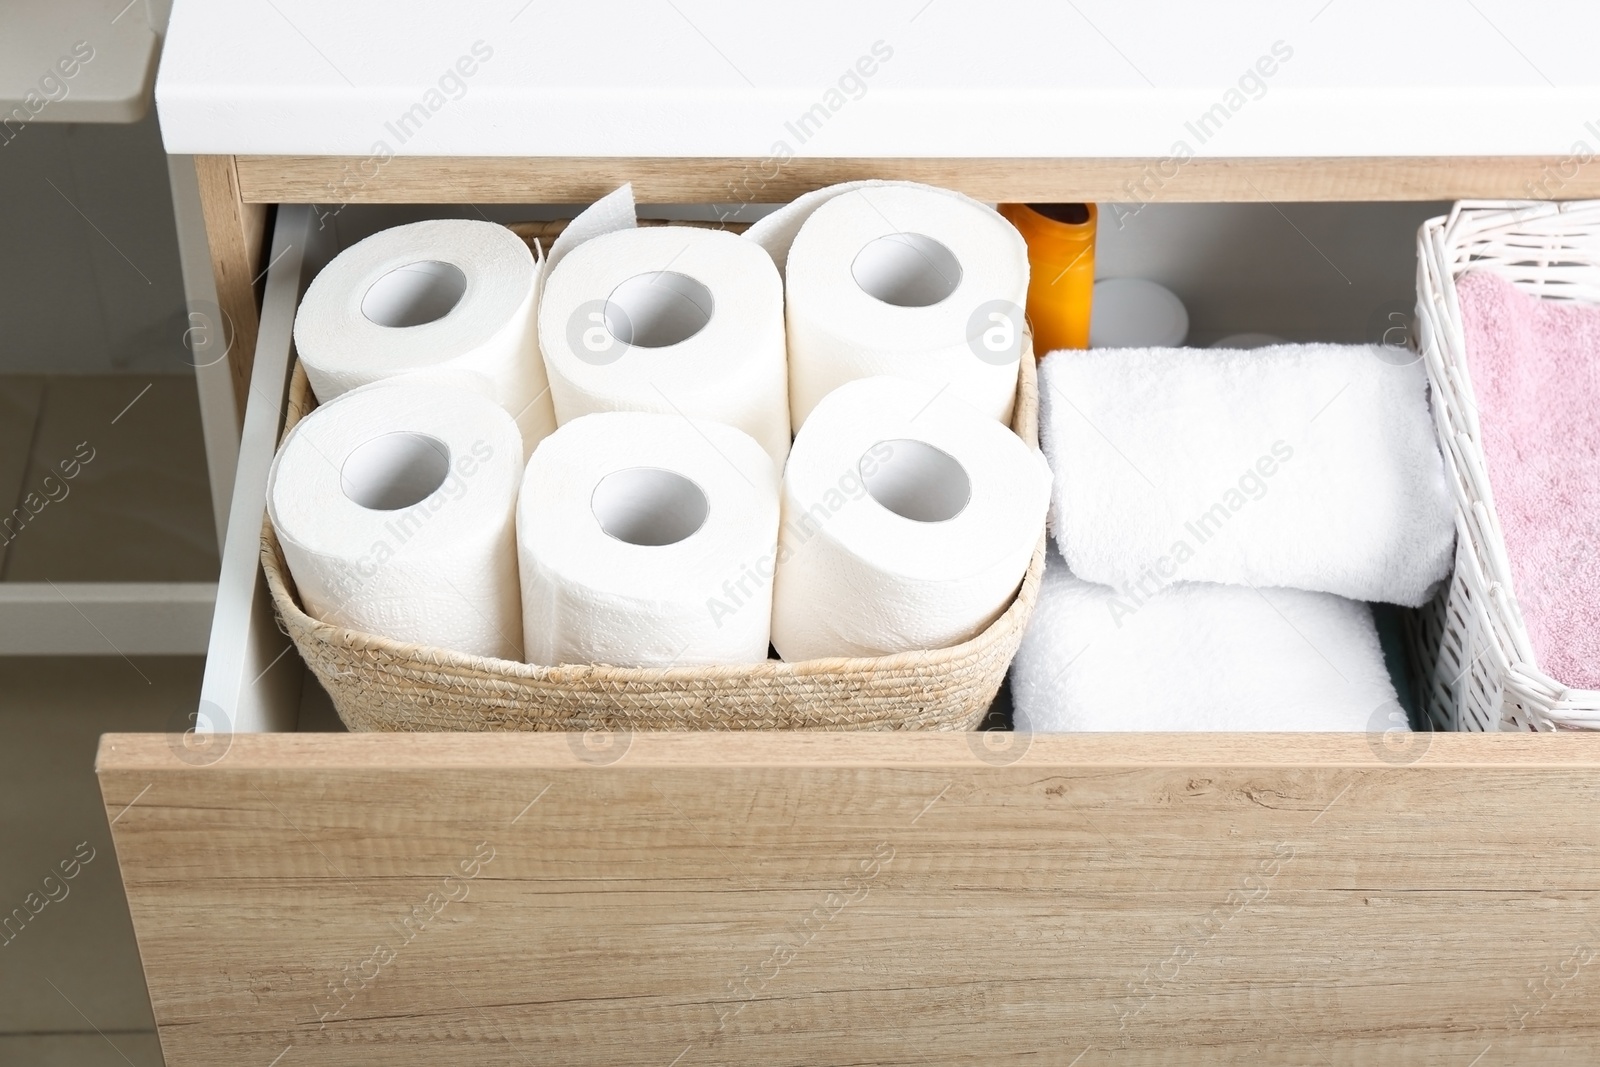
(1535, 367)
(1301, 466)
(1197, 656)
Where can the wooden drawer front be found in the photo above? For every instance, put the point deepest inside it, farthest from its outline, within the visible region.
(882, 899)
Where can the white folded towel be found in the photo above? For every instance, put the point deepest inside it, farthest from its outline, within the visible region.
(1300, 466)
(1197, 656)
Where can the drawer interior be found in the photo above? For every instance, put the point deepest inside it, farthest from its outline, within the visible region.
(1337, 272)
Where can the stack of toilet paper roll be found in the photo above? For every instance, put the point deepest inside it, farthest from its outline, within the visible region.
(589, 459)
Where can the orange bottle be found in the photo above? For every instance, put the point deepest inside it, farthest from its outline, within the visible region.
(1060, 241)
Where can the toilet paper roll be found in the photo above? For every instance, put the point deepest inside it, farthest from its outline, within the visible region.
(909, 519)
(909, 281)
(614, 211)
(647, 540)
(447, 295)
(776, 231)
(669, 319)
(395, 506)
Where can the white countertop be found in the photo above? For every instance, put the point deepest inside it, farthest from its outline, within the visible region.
(1082, 78)
(75, 61)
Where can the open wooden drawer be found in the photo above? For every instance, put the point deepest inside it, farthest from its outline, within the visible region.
(832, 898)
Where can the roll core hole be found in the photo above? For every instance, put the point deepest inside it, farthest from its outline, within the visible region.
(415, 294)
(649, 506)
(395, 471)
(915, 480)
(658, 309)
(907, 270)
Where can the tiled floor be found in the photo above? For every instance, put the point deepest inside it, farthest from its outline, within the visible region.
(138, 506)
(21, 399)
(71, 990)
(137, 509)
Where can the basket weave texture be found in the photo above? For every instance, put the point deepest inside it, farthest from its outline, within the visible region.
(380, 684)
(1477, 667)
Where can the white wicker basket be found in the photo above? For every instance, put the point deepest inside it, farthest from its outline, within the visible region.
(1478, 664)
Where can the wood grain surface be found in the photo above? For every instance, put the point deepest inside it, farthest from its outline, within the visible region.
(865, 898)
(555, 180)
(237, 232)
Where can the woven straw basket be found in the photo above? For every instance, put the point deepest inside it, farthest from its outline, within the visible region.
(379, 684)
(1477, 663)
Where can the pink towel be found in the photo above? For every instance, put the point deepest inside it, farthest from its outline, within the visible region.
(1535, 367)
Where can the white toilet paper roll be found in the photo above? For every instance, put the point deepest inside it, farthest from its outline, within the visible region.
(447, 295)
(910, 281)
(647, 540)
(909, 519)
(395, 506)
(669, 319)
(614, 211)
(776, 232)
